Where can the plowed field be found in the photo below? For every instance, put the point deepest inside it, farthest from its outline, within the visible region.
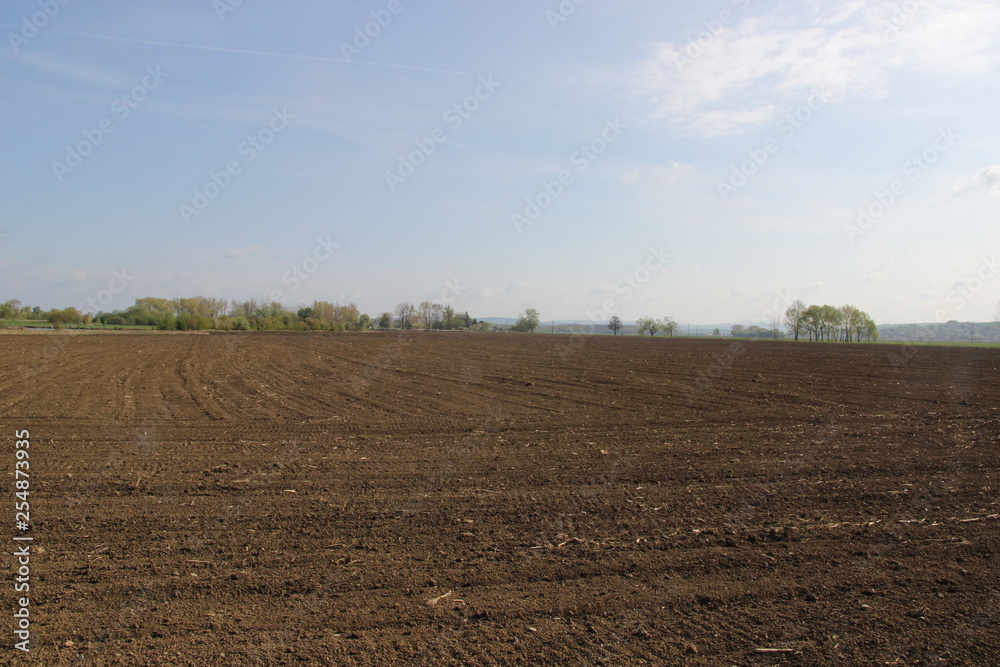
(500, 499)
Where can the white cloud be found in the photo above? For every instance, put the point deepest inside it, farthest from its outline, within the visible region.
(660, 174)
(761, 67)
(987, 180)
(516, 286)
(877, 274)
(873, 277)
(239, 253)
(631, 177)
(97, 77)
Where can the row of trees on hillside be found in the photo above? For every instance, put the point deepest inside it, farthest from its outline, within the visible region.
(15, 310)
(427, 315)
(741, 331)
(829, 323)
(200, 313)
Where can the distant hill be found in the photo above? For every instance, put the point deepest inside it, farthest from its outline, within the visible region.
(629, 327)
(953, 331)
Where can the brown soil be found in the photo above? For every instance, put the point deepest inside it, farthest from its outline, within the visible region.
(500, 499)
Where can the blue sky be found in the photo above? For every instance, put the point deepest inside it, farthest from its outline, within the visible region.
(704, 160)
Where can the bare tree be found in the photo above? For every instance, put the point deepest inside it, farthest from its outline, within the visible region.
(426, 311)
(404, 314)
(615, 324)
(793, 317)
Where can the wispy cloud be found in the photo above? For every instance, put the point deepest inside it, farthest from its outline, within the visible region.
(815, 287)
(877, 274)
(758, 68)
(250, 52)
(661, 174)
(516, 286)
(986, 180)
(99, 77)
(240, 253)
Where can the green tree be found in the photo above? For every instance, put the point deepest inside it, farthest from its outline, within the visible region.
(831, 319)
(669, 325)
(10, 310)
(527, 321)
(385, 321)
(615, 324)
(850, 323)
(812, 322)
(648, 324)
(448, 318)
(65, 316)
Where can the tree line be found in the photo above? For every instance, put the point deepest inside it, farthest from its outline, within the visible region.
(818, 323)
(201, 313)
(829, 323)
(648, 325)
